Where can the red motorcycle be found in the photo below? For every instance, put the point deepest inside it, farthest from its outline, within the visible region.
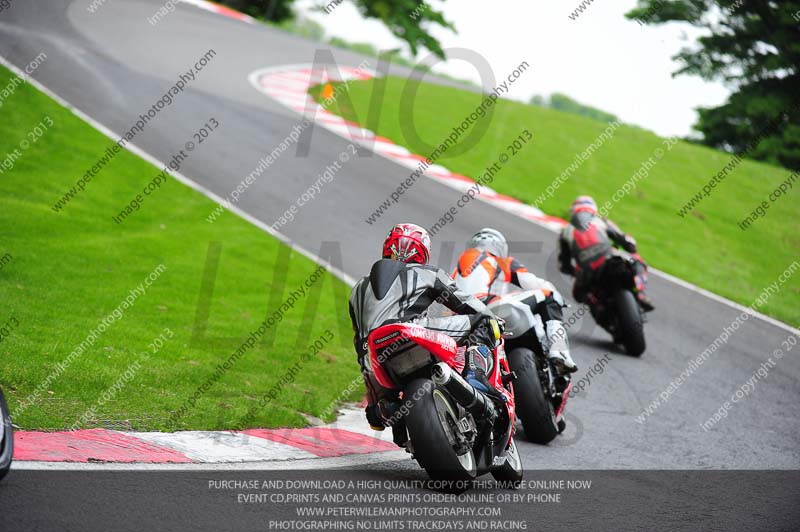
(452, 430)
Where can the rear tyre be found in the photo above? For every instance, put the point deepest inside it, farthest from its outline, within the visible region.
(533, 407)
(6, 437)
(631, 326)
(432, 426)
(511, 470)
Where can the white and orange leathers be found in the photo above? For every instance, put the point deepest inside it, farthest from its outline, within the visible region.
(481, 273)
(488, 276)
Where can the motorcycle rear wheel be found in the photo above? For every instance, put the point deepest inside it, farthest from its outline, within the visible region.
(631, 325)
(432, 424)
(535, 410)
(6, 437)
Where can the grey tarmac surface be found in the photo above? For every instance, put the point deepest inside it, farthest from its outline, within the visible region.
(113, 65)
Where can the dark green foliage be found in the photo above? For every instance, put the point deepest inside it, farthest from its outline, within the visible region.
(562, 102)
(565, 103)
(408, 20)
(272, 10)
(538, 100)
(754, 47)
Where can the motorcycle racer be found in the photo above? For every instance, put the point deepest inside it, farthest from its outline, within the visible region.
(590, 239)
(403, 287)
(486, 270)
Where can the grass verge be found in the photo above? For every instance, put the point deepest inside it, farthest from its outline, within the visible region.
(63, 273)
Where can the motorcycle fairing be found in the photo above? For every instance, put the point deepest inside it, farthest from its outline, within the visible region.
(416, 343)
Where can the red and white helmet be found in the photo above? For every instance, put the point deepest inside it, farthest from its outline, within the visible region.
(583, 204)
(408, 243)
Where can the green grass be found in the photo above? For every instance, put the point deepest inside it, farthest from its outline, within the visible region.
(705, 247)
(69, 270)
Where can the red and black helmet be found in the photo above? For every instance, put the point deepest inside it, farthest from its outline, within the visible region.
(408, 243)
(583, 204)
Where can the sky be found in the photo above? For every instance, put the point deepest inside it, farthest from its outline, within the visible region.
(600, 58)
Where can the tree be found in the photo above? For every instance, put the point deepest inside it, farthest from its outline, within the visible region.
(272, 10)
(408, 20)
(538, 100)
(753, 46)
(565, 103)
(562, 102)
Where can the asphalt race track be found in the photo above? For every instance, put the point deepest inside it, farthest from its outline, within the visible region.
(113, 65)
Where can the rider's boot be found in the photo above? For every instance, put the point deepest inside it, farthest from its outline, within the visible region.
(640, 281)
(477, 364)
(645, 302)
(557, 348)
(382, 404)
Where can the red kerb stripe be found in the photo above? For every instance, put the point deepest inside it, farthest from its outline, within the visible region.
(92, 445)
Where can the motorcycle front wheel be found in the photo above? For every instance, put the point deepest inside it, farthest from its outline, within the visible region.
(6, 437)
(432, 423)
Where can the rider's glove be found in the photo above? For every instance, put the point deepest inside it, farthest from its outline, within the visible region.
(498, 326)
(502, 324)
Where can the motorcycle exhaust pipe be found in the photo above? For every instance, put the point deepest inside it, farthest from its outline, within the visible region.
(463, 392)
